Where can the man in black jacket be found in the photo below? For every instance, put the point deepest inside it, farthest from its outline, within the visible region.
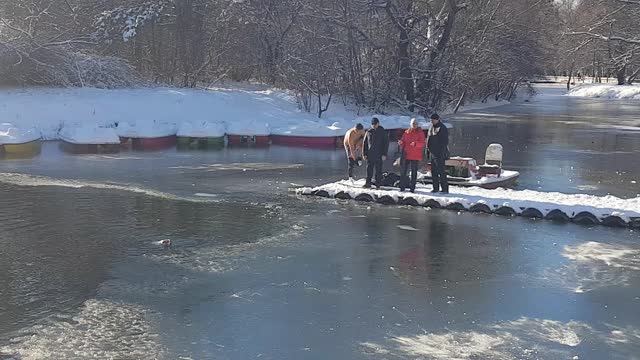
(438, 146)
(376, 147)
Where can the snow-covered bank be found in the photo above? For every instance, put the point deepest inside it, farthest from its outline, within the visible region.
(89, 134)
(607, 91)
(150, 112)
(607, 209)
(202, 129)
(10, 134)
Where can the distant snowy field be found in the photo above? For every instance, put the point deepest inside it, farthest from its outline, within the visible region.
(236, 109)
(606, 91)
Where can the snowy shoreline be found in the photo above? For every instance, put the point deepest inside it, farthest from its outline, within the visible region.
(606, 91)
(147, 112)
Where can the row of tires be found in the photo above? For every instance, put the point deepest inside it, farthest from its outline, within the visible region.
(557, 215)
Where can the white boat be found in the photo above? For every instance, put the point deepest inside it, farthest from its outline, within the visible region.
(464, 171)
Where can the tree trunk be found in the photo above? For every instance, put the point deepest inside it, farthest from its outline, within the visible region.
(460, 101)
(404, 67)
(570, 75)
(633, 77)
(427, 85)
(621, 74)
(326, 107)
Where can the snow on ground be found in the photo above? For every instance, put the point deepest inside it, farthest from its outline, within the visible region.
(248, 127)
(309, 127)
(519, 200)
(240, 110)
(10, 134)
(606, 91)
(148, 112)
(89, 134)
(146, 129)
(202, 129)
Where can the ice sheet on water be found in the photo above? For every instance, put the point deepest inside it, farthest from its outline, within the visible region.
(205, 195)
(594, 265)
(35, 180)
(221, 259)
(101, 330)
(407, 228)
(240, 167)
(523, 338)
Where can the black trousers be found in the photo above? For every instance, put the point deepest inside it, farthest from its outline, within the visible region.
(351, 162)
(413, 164)
(352, 165)
(439, 174)
(374, 165)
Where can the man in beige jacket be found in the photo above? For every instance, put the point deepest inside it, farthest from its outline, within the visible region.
(353, 140)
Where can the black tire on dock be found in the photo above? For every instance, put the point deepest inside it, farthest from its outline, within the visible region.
(322, 193)
(385, 200)
(558, 216)
(480, 208)
(585, 218)
(456, 206)
(614, 221)
(505, 211)
(635, 223)
(408, 201)
(532, 213)
(343, 196)
(432, 204)
(364, 197)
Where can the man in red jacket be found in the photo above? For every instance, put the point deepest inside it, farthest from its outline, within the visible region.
(412, 145)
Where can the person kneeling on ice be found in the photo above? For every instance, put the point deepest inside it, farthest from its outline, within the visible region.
(438, 146)
(376, 147)
(412, 146)
(353, 146)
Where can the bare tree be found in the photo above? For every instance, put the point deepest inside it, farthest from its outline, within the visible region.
(611, 30)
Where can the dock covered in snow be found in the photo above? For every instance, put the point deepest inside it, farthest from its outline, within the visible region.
(578, 208)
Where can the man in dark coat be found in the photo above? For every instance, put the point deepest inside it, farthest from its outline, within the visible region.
(376, 147)
(438, 146)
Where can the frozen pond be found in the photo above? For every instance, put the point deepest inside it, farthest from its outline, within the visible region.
(255, 272)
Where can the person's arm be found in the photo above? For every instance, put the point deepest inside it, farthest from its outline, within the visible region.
(445, 134)
(385, 147)
(365, 146)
